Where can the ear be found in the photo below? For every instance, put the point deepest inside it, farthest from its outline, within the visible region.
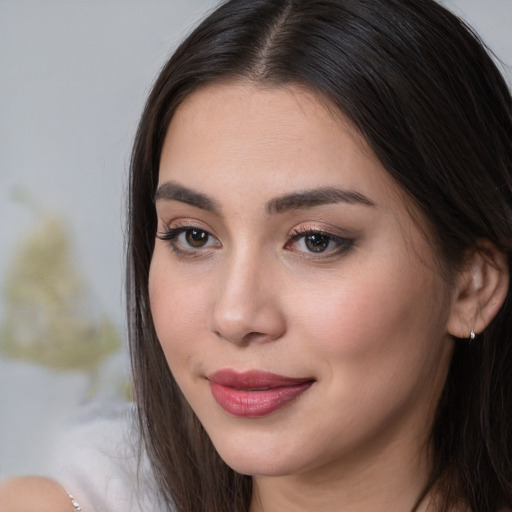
(481, 288)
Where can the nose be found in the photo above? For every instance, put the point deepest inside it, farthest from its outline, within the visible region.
(247, 308)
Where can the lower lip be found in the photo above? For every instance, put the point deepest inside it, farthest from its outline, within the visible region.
(254, 404)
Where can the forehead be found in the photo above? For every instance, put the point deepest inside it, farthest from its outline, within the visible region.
(243, 131)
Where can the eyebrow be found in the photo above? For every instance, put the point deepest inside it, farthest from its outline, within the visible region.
(316, 197)
(172, 191)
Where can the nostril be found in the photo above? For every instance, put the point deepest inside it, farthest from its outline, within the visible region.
(248, 338)
(254, 337)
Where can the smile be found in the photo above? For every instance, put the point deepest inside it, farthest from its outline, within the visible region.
(255, 393)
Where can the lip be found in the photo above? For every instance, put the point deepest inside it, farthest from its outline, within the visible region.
(255, 393)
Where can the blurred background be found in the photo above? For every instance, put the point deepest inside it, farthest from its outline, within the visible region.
(74, 75)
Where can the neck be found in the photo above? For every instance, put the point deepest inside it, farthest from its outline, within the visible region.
(392, 479)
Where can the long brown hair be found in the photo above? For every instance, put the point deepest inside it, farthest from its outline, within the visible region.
(421, 88)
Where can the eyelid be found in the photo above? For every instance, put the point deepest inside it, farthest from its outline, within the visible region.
(174, 230)
(344, 243)
(182, 224)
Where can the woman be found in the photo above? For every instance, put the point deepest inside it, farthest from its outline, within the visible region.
(319, 242)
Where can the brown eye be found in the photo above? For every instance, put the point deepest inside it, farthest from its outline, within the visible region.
(196, 238)
(185, 238)
(317, 242)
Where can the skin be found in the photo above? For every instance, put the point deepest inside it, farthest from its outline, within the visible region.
(30, 493)
(366, 318)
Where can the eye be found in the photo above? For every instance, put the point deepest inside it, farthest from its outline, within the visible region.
(318, 242)
(196, 237)
(188, 238)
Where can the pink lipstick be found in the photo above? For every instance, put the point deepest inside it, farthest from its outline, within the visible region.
(254, 393)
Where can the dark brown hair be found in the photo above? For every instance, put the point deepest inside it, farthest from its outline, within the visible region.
(421, 88)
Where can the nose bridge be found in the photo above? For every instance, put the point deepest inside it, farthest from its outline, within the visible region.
(246, 305)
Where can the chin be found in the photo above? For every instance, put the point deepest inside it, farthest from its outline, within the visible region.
(258, 467)
(259, 460)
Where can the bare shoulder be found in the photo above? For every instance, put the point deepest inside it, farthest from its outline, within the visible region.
(33, 494)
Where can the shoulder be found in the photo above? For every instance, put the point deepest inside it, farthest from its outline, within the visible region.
(31, 493)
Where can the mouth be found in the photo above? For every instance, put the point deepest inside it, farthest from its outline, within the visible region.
(255, 393)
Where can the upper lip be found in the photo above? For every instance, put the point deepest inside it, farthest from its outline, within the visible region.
(254, 379)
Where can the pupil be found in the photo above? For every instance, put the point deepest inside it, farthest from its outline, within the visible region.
(196, 237)
(317, 243)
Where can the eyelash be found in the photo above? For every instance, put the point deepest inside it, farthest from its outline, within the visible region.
(342, 243)
(171, 236)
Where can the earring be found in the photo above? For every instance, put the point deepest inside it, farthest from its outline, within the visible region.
(472, 335)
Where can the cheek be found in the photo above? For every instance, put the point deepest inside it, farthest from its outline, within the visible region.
(379, 339)
(177, 309)
(389, 316)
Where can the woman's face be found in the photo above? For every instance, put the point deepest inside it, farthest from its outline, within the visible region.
(298, 304)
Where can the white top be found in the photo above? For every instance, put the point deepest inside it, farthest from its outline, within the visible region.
(96, 459)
